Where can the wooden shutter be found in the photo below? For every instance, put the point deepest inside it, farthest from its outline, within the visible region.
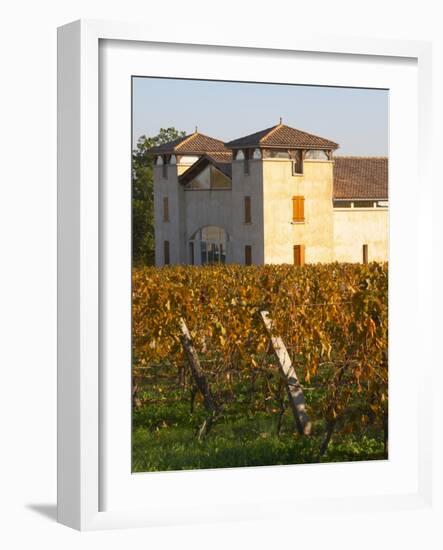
(165, 209)
(299, 254)
(248, 254)
(298, 209)
(247, 209)
(166, 252)
(365, 254)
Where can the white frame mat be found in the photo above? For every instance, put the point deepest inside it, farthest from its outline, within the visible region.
(95, 488)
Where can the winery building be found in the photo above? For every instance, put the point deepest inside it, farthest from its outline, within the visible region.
(280, 195)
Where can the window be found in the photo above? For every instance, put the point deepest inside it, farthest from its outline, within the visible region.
(365, 254)
(212, 241)
(165, 209)
(166, 252)
(297, 162)
(299, 254)
(248, 210)
(316, 154)
(219, 180)
(276, 154)
(246, 163)
(191, 253)
(210, 178)
(248, 254)
(165, 168)
(298, 209)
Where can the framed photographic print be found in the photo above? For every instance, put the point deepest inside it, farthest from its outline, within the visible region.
(238, 236)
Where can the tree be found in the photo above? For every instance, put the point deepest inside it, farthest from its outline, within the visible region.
(143, 247)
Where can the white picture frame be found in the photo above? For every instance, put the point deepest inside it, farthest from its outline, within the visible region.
(80, 264)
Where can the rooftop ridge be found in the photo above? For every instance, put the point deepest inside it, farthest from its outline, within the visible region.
(284, 136)
(184, 140)
(271, 131)
(195, 143)
(361, 157)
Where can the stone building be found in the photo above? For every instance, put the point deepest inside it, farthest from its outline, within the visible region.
(276, 196)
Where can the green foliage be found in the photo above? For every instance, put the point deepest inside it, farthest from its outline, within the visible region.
(143, 196)
(164, 438)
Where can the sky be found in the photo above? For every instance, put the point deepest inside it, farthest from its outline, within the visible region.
(356, 118)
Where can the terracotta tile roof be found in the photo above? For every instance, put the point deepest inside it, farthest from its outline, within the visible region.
(360, 178)
(218, 156)
(193, 144)
(282, 136)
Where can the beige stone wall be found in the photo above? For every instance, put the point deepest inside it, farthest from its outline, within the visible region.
(328, 234)
(354, 227)
(205, 207)
(251, 234)
(280, 233)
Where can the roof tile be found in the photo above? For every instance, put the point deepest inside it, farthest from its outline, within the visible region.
(193, 144)
(360, 178)
(282, 136)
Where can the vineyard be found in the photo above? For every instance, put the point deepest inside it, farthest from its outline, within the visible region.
(208, 385)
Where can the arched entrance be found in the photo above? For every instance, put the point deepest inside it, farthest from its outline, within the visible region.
(208, 245)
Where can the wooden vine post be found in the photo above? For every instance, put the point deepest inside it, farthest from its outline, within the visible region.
(199, 379)
(293, 387)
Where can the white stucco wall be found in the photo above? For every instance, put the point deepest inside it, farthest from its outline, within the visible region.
(172, 231)
(354, 227)
(329, 234)
(207, 207)
(280, 233)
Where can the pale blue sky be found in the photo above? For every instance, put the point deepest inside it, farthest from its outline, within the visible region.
(357, 119)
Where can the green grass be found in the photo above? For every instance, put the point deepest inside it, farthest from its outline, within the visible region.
(164, 438)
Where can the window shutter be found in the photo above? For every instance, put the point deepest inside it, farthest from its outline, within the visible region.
(298, 209)
(299, 254)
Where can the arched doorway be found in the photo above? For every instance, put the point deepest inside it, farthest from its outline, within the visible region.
(208, 245)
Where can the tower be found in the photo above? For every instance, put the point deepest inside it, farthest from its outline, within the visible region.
(286, 177)
(171, 160)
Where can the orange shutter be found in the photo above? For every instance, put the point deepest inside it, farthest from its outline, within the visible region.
(299, 254)
(298, 209)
